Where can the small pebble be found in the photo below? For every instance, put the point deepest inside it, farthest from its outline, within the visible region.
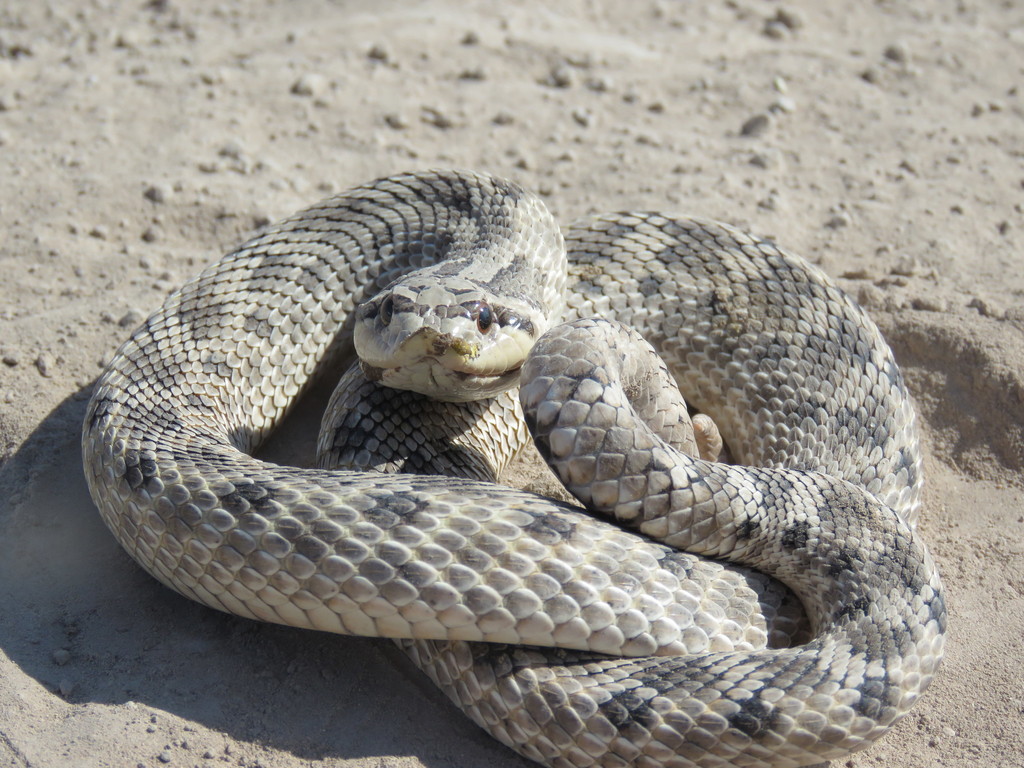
(927, 304)
(757, 125)
(61, 657)
(857, 273)
(503, 118)
(396, 121)
(310, 84)
(582, 117)
(870, 75)
(561, 77)
(11, 360)
(100, 232)
(470, 38)
(775, 29)
(783, 104)
(378, 52)
(770, 159)
(131, 318)
(164, 757)
(906, 266)
(789, 18)
(157, 193)
(232, 148)
(897, 52)
(985, 308)
(838, 220)
(1003, 227)
(44, 364)
(65, 687)
(151, 234)
(473, 73)
(437, 118)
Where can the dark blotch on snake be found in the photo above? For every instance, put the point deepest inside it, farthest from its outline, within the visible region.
(550, 529)
(755, 718)
(795, 537)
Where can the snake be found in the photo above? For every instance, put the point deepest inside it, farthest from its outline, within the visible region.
(644, 634)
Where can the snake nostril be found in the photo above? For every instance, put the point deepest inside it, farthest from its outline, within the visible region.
(387, 310)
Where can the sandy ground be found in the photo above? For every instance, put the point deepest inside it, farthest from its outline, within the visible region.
(139, 140)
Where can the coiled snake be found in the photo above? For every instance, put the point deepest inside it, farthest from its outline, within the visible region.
(797, 376)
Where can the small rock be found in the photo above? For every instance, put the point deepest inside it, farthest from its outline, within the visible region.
(985, 308)
(870, 75)
(100, 232)
(757, 125)
(470, 38)
(65, 687)
(378, 52)
(838, 220)
(151, 234)
(783, 104)
(310, 84)
(503, 118)
(599, 84)
(857, 273)
(897, 52)
(11, 360)
(927, 304)
(131, 318)
(582, 117)
(437, 118)
(770, 159)
(473, 73)
(44, 364)
(158, 193)
(1003, 227)
(905, 266)
(165, 756)
(61, 657)
(232, 148)
(207, 755)
(776, 30)
(396, 121)
(790, 19)
(561, 77)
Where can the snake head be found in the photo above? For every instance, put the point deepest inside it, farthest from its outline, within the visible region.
(452, 341)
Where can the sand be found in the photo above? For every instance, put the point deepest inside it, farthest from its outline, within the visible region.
(139, 140)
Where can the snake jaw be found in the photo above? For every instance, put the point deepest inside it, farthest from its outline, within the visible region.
(444, 366)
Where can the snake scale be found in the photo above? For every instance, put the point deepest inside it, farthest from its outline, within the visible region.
(571, 639)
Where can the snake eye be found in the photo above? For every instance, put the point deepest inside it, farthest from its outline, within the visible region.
(387, 309)
(484, 318)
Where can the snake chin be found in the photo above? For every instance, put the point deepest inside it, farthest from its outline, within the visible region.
(432, 378)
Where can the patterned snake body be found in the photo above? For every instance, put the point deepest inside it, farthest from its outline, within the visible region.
(797, 376)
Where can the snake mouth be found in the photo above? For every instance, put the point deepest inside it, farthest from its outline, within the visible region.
(446, 367)
(429, 347)
(441, 382)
